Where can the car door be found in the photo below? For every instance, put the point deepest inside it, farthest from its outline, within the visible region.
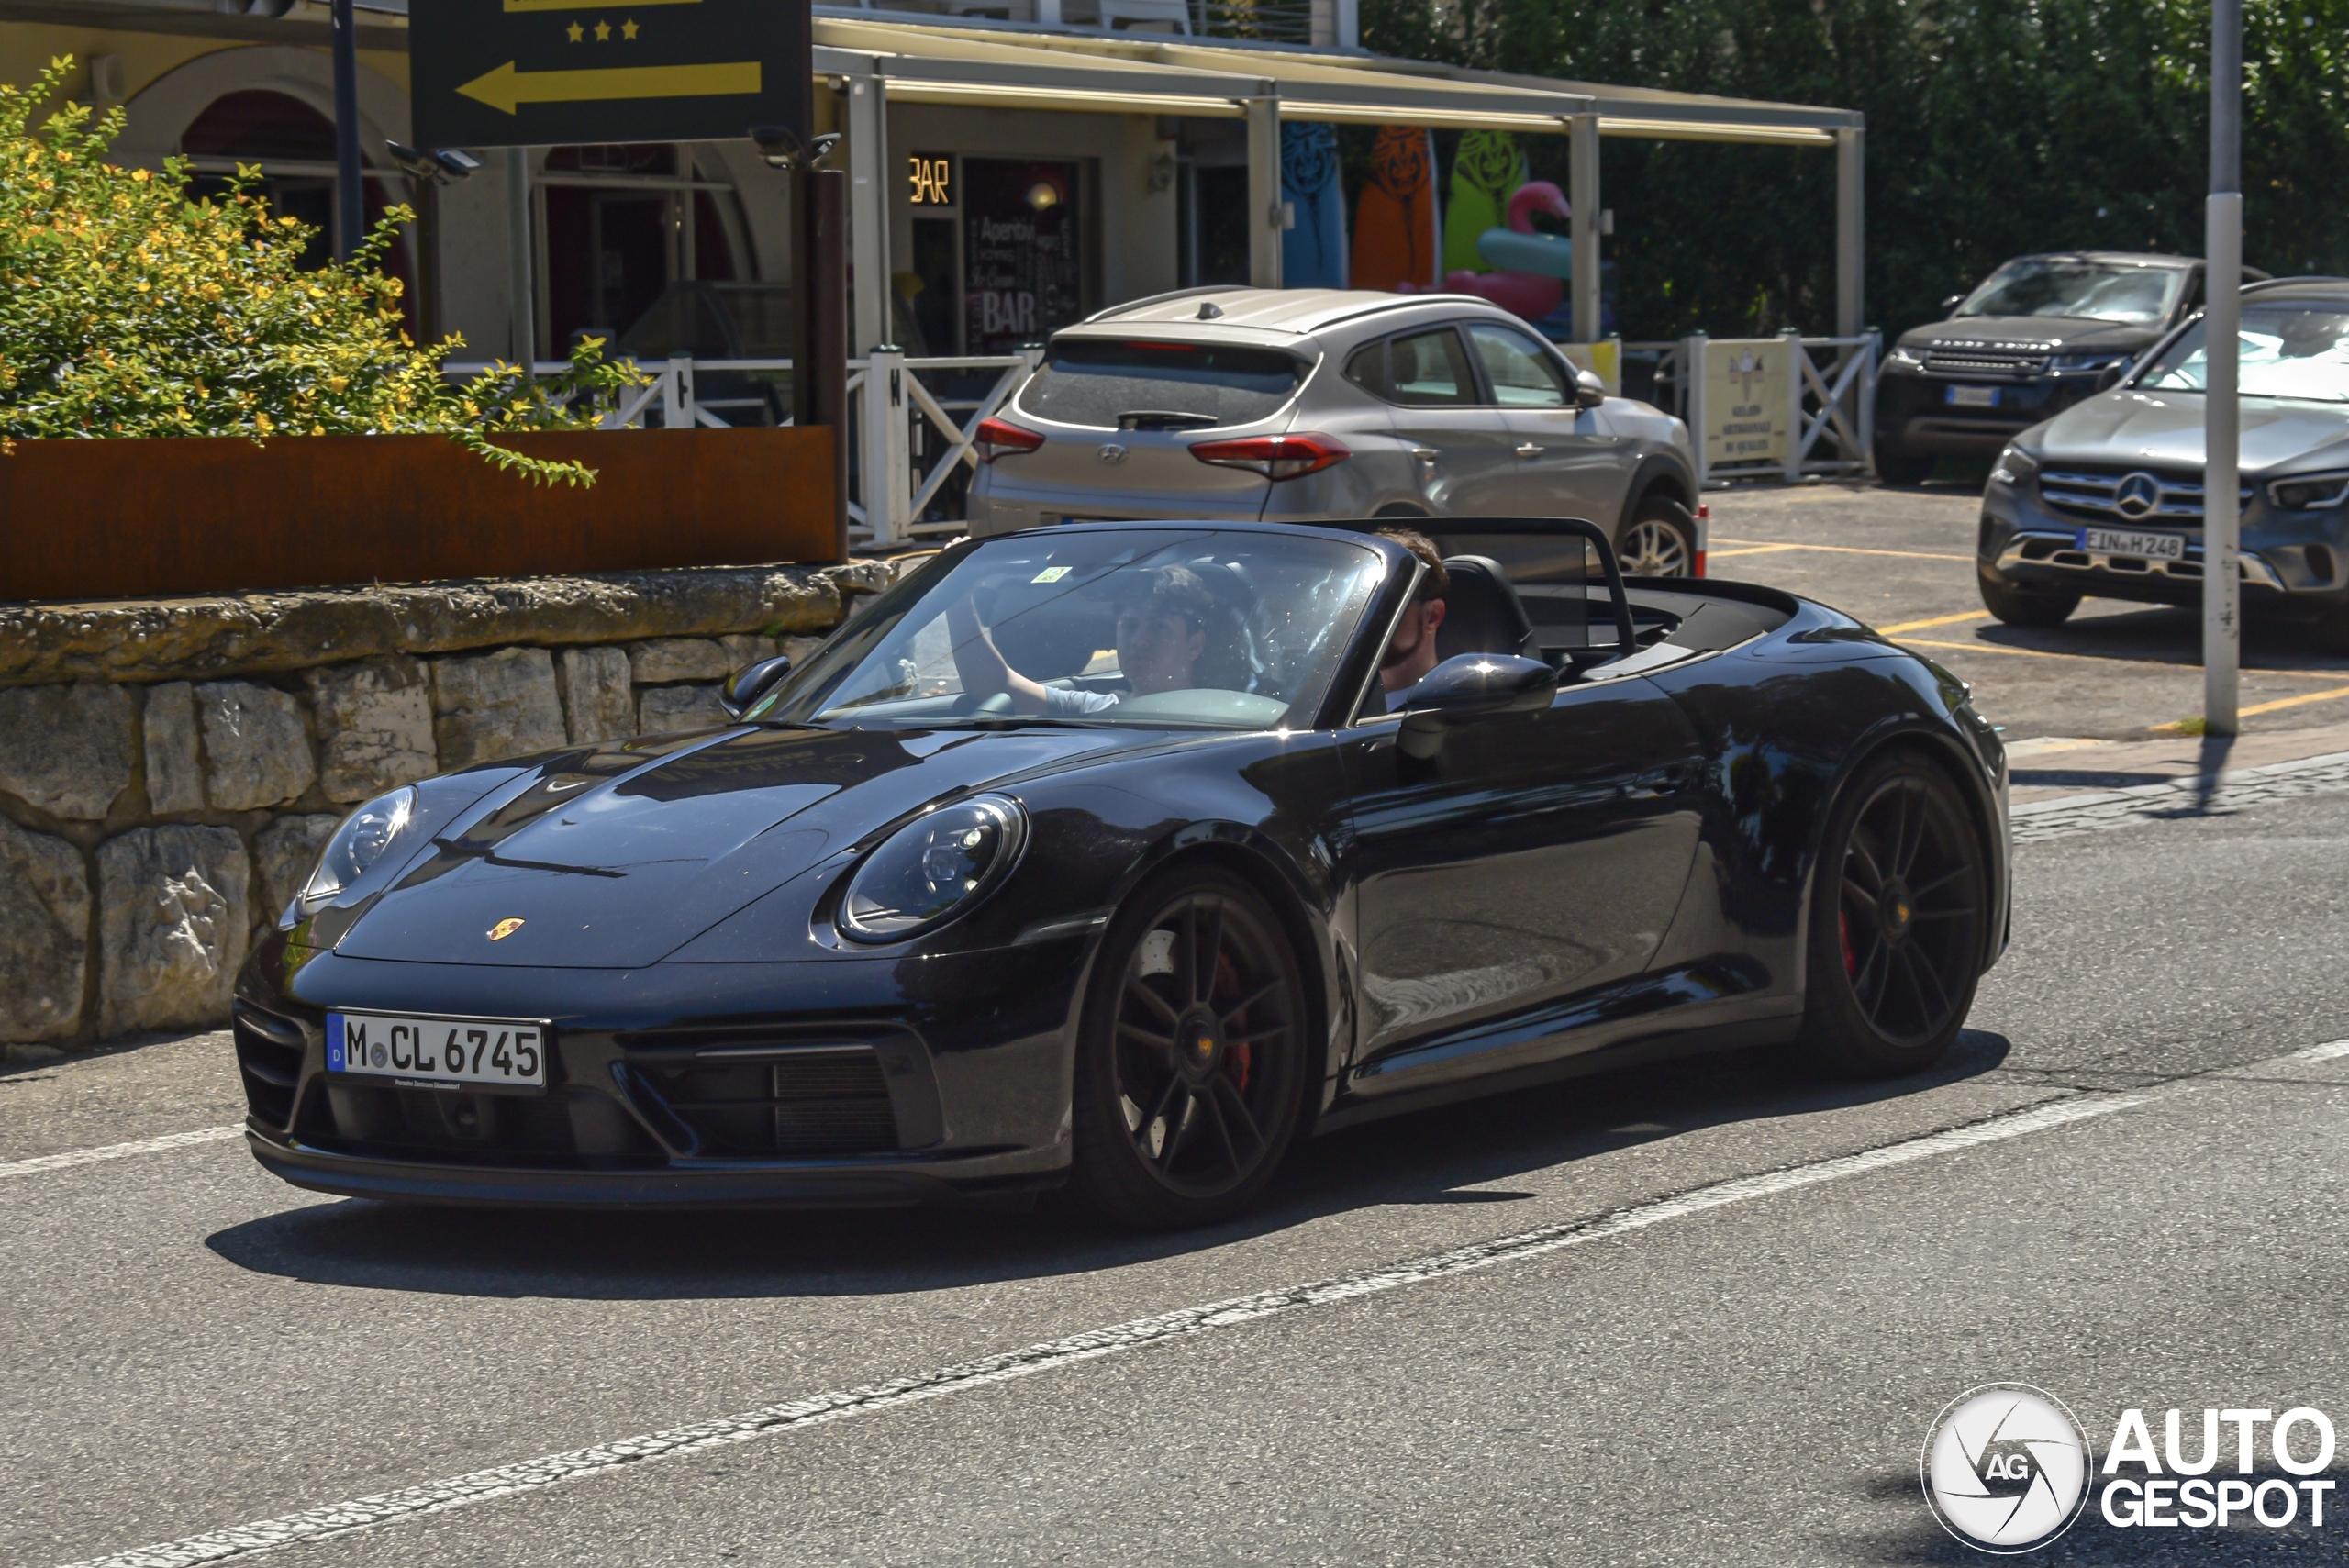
(1569, 462)
(1464, 453)
(1508, 864)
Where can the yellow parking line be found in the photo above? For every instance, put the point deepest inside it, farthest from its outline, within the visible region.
(2294, 702)
(1837, 549)
(1750, 550)
(1937, 620)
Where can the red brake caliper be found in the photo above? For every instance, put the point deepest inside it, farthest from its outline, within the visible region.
(1238, 1055)
(1844, 930)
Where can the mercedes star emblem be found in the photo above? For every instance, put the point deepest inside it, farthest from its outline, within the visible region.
(2137, 495)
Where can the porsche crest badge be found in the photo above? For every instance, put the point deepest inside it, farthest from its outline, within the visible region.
(506, 927)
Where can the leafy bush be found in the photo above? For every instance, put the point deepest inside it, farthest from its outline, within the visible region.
(128, 309)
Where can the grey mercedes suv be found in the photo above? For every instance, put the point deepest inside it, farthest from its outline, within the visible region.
(2106, 498)
(1329, 405)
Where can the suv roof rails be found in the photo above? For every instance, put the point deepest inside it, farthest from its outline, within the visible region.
(1113, 312)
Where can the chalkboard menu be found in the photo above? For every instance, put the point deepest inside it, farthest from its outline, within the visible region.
(1022, 277)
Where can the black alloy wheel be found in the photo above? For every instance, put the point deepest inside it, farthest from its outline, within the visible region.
(2027, 607)
(1659, 541)
(1899, 910)
(1187, 1071)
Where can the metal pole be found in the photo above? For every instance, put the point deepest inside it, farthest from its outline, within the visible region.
(1582, 222)
(2221, 412)
(519, 244)
(350, 195)
(1266, 209)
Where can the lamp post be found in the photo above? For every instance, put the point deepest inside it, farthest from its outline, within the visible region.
(2222, 410)
(350, 197)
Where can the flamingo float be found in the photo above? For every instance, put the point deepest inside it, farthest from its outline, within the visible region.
(1531, 257)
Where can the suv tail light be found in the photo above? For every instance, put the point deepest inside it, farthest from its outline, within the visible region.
(1274, 457)
(997, 437)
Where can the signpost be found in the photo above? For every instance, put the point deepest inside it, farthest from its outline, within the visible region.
(541, 73)
(518, 74)
(2223, 352)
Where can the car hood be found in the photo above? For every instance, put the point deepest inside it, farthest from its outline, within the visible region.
(608, 860)
(2073, 333)
(2126, 425)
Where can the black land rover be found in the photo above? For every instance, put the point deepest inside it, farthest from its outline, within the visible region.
(2039, 335)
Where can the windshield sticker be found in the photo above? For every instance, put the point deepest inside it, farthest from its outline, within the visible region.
(1049, 574)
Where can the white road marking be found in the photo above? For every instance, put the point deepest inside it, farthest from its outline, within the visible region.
(481, 1486)
(40, 1163)
(2325, 1052)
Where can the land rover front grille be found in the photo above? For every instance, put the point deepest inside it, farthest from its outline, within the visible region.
(1986, 360)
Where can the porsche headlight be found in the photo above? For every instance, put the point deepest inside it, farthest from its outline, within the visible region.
(359, 843)
(933, 868)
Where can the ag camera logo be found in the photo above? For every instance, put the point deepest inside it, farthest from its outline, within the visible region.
(2006, 1468)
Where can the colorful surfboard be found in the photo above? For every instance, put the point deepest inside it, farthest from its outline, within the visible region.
(1313, 254)
(1395, 228)
(1487, 171)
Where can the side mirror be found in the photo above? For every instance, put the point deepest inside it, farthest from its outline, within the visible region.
(1470, 683)
(1951, 302)
(753, 682)
(1589, 391)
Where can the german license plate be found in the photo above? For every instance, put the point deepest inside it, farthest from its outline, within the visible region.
(439, 1053)
(2151, 546)
(1974, 396)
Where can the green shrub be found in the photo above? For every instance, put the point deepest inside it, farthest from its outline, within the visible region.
(128, 309)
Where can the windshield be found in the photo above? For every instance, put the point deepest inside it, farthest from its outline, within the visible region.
(2289, 351)
(2093, 291)
(1130, 387)
(1158, 628)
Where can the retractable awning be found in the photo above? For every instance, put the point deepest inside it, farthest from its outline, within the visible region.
(944, 60)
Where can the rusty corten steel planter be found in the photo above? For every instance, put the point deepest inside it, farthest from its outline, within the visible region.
(104, 519)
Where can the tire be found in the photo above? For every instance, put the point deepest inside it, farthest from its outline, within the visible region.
(1899, 906)
(2333, 629)
(2027, 607)
(1659, 541)
(1894, 466)
(1166, 1135)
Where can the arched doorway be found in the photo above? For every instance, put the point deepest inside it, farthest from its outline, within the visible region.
(292, 145)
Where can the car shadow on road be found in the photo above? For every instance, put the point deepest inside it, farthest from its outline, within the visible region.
(1458, 1154)
(2164, 634)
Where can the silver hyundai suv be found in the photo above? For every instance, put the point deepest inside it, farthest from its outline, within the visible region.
(1329, 406)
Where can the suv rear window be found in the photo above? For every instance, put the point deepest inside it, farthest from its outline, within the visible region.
(1141, 386)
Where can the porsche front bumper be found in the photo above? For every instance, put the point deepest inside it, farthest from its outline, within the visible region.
(856, 1084)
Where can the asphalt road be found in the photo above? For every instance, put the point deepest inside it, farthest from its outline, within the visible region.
(1712, 1375)
(1905, 559)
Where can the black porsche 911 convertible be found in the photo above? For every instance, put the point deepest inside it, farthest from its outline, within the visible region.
(1103, 856)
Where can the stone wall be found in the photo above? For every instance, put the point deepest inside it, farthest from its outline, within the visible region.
(169, 770)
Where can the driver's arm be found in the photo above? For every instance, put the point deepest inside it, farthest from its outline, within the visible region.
(982, 665)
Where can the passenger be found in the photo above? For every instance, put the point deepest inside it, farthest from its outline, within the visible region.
(1411, 653)
(1160, 634)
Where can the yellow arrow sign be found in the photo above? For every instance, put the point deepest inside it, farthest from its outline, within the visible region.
(506, 88)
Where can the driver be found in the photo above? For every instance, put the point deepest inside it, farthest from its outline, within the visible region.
(1160, 634)
(1411, 651)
